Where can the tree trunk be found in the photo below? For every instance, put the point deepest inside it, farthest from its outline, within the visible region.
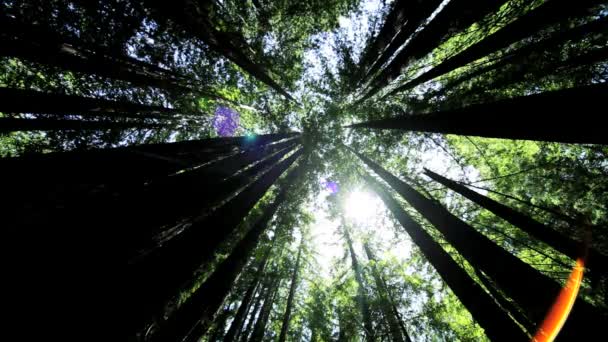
(533, 69)
(292, 293)
(27, 125)
(497, 324)
(260, 325)
(506, 304)
(546, 14)
(395, 323)
(193, 317)
(34, 102)
(511, 118)
(546, 234)
(457, 15)
(192, 16)
(533, 291)
(38, 44)
(165, 203)
(383, 48)
(520, 55)
(220, 324)
(241, 313)
(244, 336)
(361, 293)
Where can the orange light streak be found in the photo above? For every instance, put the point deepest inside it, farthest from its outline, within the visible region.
(560, 310)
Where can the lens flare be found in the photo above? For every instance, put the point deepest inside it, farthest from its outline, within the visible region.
(560, 310)
(557, 316)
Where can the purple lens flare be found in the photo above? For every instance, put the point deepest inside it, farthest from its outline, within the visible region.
(225, 121)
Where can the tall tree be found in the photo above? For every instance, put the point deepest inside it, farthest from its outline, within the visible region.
(193, 317)
(23, 125)
(396, 326)
(290, 298)
(505, 303)
(264, 288)
(521, 55)
(548, 235)
(362, 298)
(510, 118)
(220, 324)
(532, 290)
(454, 17)
(548, 13)
(403, 20)
(239, 318)
(497, 324)
(40, 44)
(35, 102)
(259, 328)
(171, 266)
(194, 17)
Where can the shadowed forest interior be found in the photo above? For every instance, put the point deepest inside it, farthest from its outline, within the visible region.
(284, 170)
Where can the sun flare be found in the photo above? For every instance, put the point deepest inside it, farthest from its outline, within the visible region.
(360, 206)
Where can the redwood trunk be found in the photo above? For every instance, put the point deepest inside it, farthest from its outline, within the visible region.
(193, 317)
(511, 118)
(533, 291)
(497, 324)
(292, 293)
(563, 244)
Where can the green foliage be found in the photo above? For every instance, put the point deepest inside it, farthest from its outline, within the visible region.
(309, 52)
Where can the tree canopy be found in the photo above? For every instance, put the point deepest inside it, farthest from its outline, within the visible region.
(282, 170)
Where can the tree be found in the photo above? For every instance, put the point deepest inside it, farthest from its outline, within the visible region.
(169, 277)
(456, 16)
(396, 326)
(544, 15)
(292, 292)
(497, 325)
(538, 292)
(186, 171)
(361, 289)
(473, 120)
(569, 247)
(193, 17)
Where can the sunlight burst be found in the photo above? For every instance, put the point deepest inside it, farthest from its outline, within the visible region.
(360, 206)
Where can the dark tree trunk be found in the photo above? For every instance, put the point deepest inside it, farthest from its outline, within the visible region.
(559, 242)
(384, 47)
(192, 15)
(38, 44)
(535, 70)
(68, 188)
(506, 304)
(292, 293)
(549, 13)
(260, 325)
(398, 15)
(22, 125)
(244, 336)
(35, 102)
(193, 317)
(533, 291)
(361, 292)
(520, 55)
(497, 324)
(169, 200)
(511, 118)
(239, 318)
(457, 15)
(122, 164)
(546, 209)
(220, 324)
(395, 323)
